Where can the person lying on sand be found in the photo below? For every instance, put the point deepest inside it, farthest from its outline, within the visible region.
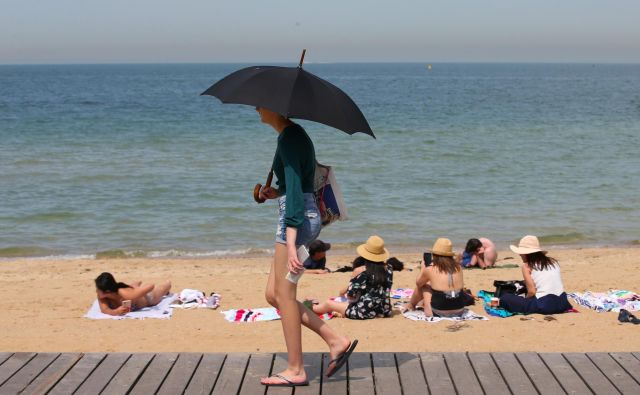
(117, 298)
(317, 261)
(369, 288)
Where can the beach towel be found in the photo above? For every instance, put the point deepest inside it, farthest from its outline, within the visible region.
(613, 300)
(401, 293)
(259, 314)
(194, 299)
(467, 315)
(161, 311)
(494, 311)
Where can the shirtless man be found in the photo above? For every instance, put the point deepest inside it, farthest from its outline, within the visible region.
(479, 252)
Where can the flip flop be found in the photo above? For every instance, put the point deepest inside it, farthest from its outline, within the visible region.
(341, 359)
(286, 382)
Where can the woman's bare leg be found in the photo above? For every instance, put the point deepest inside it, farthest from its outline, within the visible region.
(159, 291)
(280, 292)
(329, 306)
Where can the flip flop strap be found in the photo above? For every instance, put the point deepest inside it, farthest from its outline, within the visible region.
(281, 377)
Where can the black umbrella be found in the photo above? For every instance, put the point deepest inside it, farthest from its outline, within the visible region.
(294, 93)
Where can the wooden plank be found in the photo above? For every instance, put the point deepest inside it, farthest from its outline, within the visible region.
(4, 356)
(338, 383)
(590, 374)
(313, 367)
(13, 364)
(488, 373)
(230, 377)
(206, 374)
(279, 364)
(180, 374)
(462, 373)
(385, 373)
(410, 372)
(27, 373)
(435, 370)
(513, 374)
(615, 373)
(566, 376)
(259, 367)
(52, 374)
(154, 374)
(539, 374)
(360, 374)
(636, 354)
(630, 363)
(100, 377)
(78, 374)
(128, 374)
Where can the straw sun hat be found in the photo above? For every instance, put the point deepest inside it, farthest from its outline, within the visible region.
(527, 245)
(373, 249)
(442, 247)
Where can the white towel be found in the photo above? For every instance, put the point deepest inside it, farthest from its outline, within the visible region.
(161, 311)
(467, 315)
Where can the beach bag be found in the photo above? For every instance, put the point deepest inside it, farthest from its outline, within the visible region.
(516, 287)
(328, 196)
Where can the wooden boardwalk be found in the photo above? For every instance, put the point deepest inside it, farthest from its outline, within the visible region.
(366, 373)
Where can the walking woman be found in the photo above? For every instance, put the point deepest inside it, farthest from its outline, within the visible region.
(298, 224)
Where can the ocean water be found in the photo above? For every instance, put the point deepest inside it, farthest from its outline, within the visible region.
(129, 159)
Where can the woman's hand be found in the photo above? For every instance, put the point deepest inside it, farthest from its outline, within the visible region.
(122, 310)
(293, 263)
(269, 193)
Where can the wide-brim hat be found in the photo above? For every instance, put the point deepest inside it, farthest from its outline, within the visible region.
(442, 247)
(373, 250)
(527, 245)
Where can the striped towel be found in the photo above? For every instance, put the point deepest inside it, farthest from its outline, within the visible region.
(259, 314)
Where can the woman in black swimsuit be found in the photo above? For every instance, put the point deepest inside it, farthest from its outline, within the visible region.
(439, 285)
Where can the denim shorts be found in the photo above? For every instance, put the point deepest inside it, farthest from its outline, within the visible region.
(310, 229)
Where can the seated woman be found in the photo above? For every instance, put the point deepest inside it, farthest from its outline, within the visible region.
(545, 292)
(478, 252)
(439, 284)
(369, 288)
(111, 294)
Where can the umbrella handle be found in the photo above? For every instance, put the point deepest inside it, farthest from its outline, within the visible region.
(258, 187)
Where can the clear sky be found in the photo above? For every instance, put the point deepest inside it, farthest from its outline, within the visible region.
(132, 31)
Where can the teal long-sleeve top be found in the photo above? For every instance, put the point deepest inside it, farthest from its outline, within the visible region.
(294, 164)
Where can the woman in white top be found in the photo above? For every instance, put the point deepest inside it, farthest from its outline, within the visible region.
(545, 292)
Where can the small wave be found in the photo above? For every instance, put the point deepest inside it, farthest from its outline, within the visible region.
(120, 254)
(208, 254)
(23, 251)
(562, 238)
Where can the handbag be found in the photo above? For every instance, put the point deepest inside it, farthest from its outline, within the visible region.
(328, 196)
(516, 287)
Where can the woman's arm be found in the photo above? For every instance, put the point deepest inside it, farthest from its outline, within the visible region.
(528, 281)
(135, 293)
(353, 275)
(105, 309)
(423, 277)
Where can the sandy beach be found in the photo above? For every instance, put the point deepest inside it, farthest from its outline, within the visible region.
(44, 302)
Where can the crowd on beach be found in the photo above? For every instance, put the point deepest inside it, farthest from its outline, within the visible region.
(439, 286)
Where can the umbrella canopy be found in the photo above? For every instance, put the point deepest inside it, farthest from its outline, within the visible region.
(293, 93)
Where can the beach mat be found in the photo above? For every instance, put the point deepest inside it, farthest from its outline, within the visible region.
(612, 300)
(160, 311)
